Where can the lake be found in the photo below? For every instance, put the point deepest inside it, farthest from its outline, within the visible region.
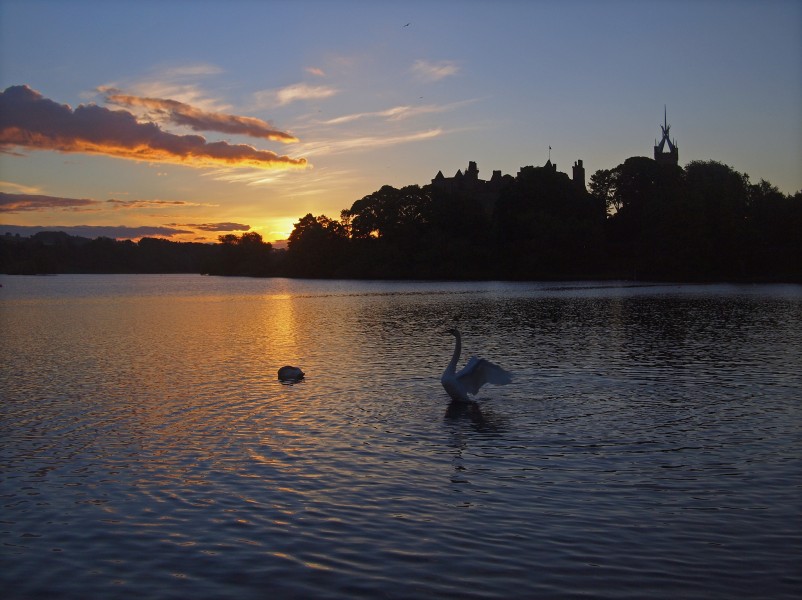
(650, 445)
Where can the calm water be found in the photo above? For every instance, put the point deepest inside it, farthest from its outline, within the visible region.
(650, 446)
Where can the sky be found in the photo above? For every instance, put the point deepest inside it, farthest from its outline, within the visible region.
(194, 119)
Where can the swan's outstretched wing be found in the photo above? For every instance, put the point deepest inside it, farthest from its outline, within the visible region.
(478, 372)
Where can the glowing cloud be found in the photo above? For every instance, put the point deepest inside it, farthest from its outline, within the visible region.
(180, 113)
(29, 120)
(429, 71)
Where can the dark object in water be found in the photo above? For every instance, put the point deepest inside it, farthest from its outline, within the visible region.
(288, 373)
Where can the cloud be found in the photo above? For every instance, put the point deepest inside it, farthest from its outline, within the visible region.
(434, 71)
(215, 226)
(16, 203)
(298, 91)
(196, 70)
(29, 120)
(247, 176)
(393, 114)
(132, 204)
(95, 231)
(19, 188)
(367, 142)
(181, 113)
(178, 83)
(397, 113)
(315, 71)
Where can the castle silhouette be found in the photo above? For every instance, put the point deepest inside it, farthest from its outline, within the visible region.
(487, 191)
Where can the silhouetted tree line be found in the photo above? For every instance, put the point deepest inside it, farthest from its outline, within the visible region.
(640, 220)
(57, 252)
(703, 222)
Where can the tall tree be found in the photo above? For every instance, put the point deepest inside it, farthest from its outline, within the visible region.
(316, 247)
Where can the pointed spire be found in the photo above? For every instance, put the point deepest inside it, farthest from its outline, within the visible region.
(672, 155)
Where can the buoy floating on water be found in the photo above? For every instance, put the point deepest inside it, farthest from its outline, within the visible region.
(290, 374)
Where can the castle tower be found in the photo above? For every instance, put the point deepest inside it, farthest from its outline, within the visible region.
(579, 175)
(472, 173)
(671, 157)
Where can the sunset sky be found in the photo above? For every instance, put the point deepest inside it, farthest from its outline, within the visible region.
(190, 120)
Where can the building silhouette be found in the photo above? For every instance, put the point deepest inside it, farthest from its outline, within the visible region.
(468, 184)
(487, 192)
(579, 174)
(661, 155)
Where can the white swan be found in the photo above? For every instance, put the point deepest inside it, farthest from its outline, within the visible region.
(476, 373)
(288, 373)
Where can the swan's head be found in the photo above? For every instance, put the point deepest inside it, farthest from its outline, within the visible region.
(453, 331)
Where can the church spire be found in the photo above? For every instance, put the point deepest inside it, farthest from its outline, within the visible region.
(670, 157)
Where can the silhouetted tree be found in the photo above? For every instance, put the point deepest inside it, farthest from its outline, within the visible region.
(316, 247)
(774, 240)
(716, 204)
(419, 232)
(157, 255)
(604, 187)
(459, 242)
(390, 212)
(547, 226)
(644, 213)
(244, 255)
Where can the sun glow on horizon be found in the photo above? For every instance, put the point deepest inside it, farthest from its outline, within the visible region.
(277, 230)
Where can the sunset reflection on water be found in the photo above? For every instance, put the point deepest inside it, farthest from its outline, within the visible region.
(148, 445)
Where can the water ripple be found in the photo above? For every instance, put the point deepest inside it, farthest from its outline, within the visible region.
(649, 446)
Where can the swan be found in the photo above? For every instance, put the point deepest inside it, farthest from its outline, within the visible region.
(288, 373)
(474, 375)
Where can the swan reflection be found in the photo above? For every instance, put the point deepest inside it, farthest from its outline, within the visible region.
(481, 421)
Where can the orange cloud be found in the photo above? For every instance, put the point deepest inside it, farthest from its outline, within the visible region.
(200, 120)
(27, 119)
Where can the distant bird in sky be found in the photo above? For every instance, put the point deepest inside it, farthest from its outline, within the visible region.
(474, 375)
(407, 25)
(290, 374)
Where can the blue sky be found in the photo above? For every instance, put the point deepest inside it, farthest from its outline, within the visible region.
(374, 101)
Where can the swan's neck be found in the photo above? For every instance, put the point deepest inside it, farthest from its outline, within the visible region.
(452, 366)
